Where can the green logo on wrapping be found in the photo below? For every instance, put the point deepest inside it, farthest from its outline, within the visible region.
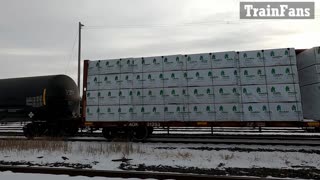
(209, 74)
(165, 60)
(287, 88)
(119, 110)
(234, 90)
(293, 108)
(195, 108)
(226, 56)
(109, 93)
(201, 58)
(273, 71)
(166, 109)
(272, 53)
(234, 108)
(88, 94)
(245, 55)
(98, 64)
(278, 108)
(273, 89)
(258, 90)
(142, 109)
(177, 59)
(149, 76)
(99, 93)
(184, 109)
(118, 62)
(178, 109)
(105, 78)
(154, 109)
(98, 110)
(235, 72)
(154, 61)
(95, 79)
(287, 70)
(259, 72)
(173, 75)
(116, 78)
(130, 93)
(184, 92)
(185, 75)
(221, 108)
(286, 52)
(150, 93)
(244, 90)
(120, 93)
(259, 54)
(138, 77)
(128, 61)
(161, 76)
(131, 110)
(107, 63)
(189, 58)
(208, 108)
(197, 74)
(108, 110)
(127, 77)
(161, 92)
(250, 108)
(222, 73)
(88, 110)
(143, 61)
(264, 108)
(213, 57)
(138, 93)
(318, 50)
(221, 90)
(195, 91)
(245, 72)
(208, 91)
(173, 92)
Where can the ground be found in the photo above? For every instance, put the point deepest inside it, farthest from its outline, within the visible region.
(276, 161)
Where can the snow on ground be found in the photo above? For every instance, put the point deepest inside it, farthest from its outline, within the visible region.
(18, 176)
(100, 154)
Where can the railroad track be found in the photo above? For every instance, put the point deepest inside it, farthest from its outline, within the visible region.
(119, 174)
(306, 141)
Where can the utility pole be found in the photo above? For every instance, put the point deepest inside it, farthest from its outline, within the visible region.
(79, 55)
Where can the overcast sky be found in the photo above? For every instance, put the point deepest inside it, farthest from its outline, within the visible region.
(39, 37)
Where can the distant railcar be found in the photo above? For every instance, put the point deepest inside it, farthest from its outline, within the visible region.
(51, 103)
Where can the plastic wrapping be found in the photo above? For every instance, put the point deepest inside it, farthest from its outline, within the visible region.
(283, 56)
(251, 58)
(308, 58)
(198, 61)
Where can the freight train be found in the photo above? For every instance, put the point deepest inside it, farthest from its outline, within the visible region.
(50, 102)
(132, 96)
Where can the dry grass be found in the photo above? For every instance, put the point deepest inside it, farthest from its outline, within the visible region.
(227, 156)
(102, 148)
(21, 145)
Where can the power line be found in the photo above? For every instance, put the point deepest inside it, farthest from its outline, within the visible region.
(71, 55)
(205, 23)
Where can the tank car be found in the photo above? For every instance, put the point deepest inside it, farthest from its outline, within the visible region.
(50, 103)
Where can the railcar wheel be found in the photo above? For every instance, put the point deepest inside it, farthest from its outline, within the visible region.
(71, 131)
(29, 131)
(150, 130)
(108, 134)
(140, 133)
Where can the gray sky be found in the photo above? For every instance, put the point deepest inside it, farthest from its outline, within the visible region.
(39, 37)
